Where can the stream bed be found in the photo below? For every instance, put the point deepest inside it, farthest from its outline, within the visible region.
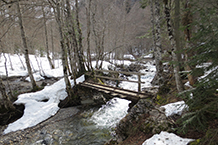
(74, 125)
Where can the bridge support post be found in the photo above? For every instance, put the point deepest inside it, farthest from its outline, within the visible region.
(139, 83)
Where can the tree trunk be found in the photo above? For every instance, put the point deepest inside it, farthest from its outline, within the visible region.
(80, 51)
(10, 62)
(153, 24)
(64, 53)
(21, 62)
(99, 36)
(52, 46)
(187, 20)
(178, 79)
(6, 70)
(5, 100)
(46, 39)
(159, 76)
(71, 39)
(177, 32)
(26, 54)
(89, 60)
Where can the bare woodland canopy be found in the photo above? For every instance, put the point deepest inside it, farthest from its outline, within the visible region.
(115, 25)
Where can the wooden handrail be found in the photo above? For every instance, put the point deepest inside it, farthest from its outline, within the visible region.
(119, 79)
(122, 72)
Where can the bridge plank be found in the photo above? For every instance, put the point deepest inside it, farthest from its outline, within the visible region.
(116, 91)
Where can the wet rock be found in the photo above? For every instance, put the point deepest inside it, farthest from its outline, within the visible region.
(154, 120)
(43, 132)
(47, 139)
(99, 98)
(111, 142)
(133, 67)
(43, 84)
(57, 134)
(143, 106)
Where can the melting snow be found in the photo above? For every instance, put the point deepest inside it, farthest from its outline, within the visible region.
(165, 138)
(36, 110)
(175, 108)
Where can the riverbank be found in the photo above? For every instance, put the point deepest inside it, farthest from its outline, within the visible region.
(43, 132)
(69, 125)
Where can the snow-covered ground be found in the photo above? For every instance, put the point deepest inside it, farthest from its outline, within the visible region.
(37, 111)
(175, 108)
(40, 65)
(165, 138)
(147, 78)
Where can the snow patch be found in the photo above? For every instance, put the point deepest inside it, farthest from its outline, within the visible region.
(175, 108)
(36, 110)
(37, 77)
(165, 138)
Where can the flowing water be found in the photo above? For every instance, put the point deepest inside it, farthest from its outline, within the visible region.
(92, 126)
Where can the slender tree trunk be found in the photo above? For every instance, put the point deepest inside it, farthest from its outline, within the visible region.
(46, 39)
(71, 28)
(70, 56)
(178, 79)
(99, 40)
(187, 20)
(64, 53)
(26, 54)
(52, 46)
(10, 62)
(102, 46)
(88, 9)
(71, 40)
(177, 32)
(41, 71)
(6, 70)
(80, 49)
(21, 62)
(153, 24)
(159, 76)
(5, 100)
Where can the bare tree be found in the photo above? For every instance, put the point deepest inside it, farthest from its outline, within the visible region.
(80, 48)
(46, 39)
(71, 38)
(57, 6)
(88, 15)
(23, 36)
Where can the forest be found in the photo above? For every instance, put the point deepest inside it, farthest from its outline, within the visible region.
(179, 34)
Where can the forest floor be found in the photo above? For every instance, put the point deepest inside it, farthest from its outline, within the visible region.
(162, 98)
(18, 85)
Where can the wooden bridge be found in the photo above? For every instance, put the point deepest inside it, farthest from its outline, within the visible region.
(116, 91)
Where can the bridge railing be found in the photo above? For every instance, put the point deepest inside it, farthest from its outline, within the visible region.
(116, 78)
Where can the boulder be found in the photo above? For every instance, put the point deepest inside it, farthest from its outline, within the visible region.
(143, 117)
(99, 98)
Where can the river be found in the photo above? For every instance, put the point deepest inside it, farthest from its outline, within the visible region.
(74, 126)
